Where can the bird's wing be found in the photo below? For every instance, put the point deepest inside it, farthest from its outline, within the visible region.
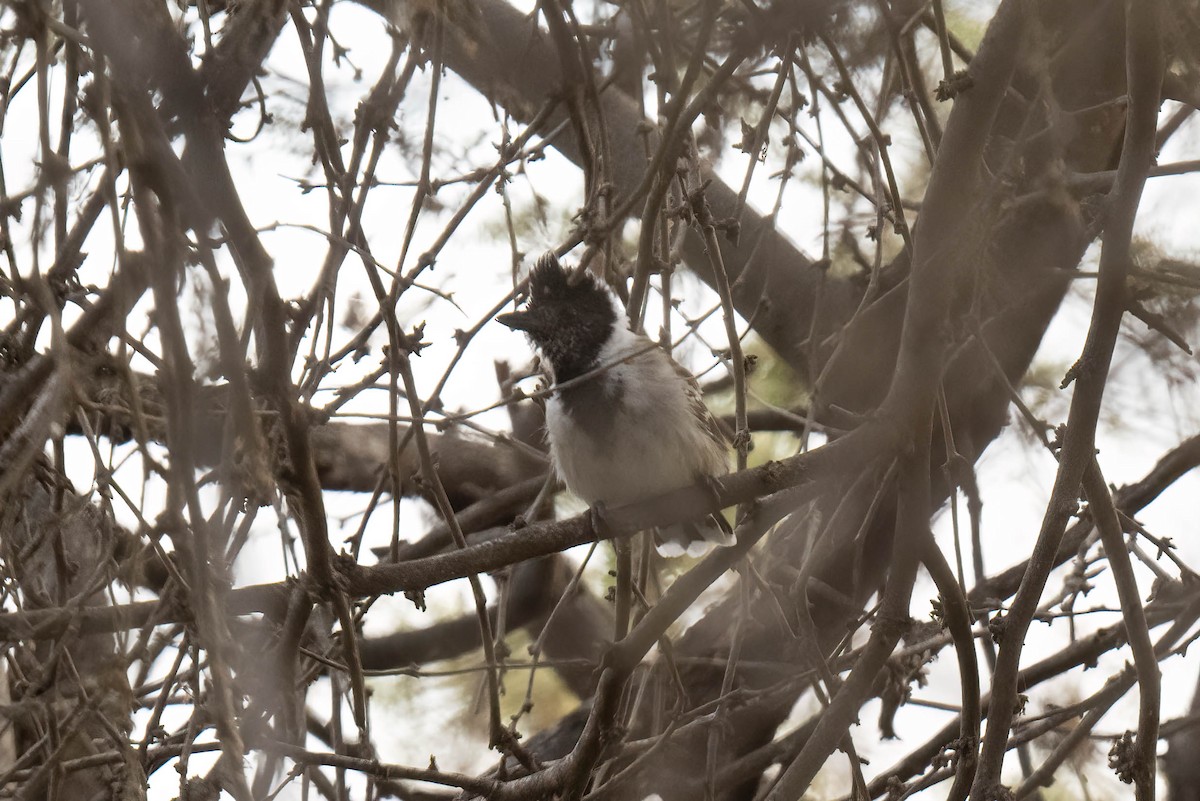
(699, 408)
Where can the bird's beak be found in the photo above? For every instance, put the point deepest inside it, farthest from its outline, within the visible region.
(518, 320)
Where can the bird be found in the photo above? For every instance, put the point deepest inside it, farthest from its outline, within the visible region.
(624, 421)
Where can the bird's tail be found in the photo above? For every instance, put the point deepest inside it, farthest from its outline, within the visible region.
(694, 537)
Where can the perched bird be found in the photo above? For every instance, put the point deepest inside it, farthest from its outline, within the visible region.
(632, 430)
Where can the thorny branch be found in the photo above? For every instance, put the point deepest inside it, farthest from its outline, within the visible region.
(184, 379)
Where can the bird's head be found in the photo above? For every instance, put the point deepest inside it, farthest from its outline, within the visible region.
(568, 318)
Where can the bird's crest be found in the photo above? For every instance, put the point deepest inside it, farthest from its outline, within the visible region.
(550, 280)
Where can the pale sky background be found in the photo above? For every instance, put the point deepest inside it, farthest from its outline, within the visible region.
(1015, 477)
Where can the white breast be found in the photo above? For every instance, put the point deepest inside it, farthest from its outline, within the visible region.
(654, 442)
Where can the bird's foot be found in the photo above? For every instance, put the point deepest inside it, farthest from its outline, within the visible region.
(598, 517)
